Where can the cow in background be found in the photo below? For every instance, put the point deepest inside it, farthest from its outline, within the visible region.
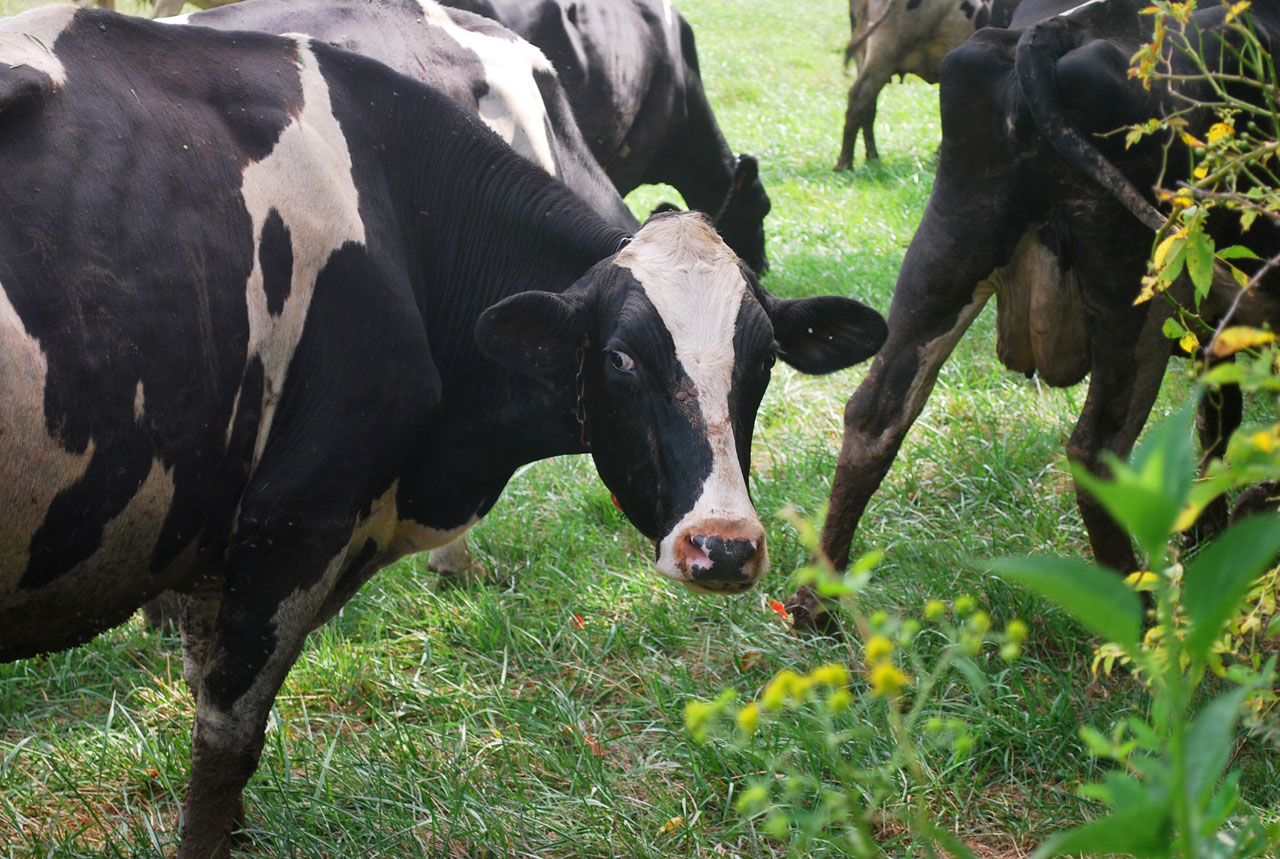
(1038, 202)
(630, 68)
(902, 37)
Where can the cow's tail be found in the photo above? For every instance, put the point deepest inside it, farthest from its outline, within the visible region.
(1039, 49)
(858, 40)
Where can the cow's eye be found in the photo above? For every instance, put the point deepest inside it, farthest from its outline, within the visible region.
(622, 362)
(767, 362)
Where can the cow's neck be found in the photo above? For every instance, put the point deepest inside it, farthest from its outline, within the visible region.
(517, 230)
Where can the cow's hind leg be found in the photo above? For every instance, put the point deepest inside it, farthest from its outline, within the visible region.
(860, 113)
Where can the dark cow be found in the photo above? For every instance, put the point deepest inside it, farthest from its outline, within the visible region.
(904, 37)
(267, 327)
(1037, 203)
(630, 68)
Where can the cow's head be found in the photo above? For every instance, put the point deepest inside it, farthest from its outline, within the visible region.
(668, 347)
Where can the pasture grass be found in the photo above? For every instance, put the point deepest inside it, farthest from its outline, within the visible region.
(541, 715)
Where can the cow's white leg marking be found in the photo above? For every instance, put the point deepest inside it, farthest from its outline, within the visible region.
(27, 40)
(692, 279)
(513, 107)
(34, 467)
(307, 180)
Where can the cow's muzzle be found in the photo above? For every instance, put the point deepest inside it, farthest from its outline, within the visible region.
(721, 557)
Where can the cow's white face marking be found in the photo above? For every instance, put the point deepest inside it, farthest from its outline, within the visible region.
(307, 180)
(34, 467)
(27, 40)
(693, 280)
(513, 107)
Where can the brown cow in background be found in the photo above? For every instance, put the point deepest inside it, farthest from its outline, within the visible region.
(901, 37)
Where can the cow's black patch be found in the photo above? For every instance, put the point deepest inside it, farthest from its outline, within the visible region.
(913, 4)
(275, 255)
(967, 8)
(983, 18)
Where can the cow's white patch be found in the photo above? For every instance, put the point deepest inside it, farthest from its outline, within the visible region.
(130, 537)
(513, 107)
(27, 40)
(693, 280)
(175, 19)
(307, 180)
(34, 466)
(396, 537)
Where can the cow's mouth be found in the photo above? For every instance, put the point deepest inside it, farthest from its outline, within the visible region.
(719, 588)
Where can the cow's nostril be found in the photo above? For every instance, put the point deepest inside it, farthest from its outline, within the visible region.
(721, 559)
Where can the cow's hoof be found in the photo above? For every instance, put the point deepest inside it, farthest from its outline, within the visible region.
(811, 615)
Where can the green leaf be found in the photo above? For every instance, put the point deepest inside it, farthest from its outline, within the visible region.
(1146, 512)
(1219, 577)
(1224, 374)
(1094, 596)
(1173, 329)
(1237, 252)
(1209, 742)
(1222, 805)
(1141, 831)
(1167, 452)
(1200, 261)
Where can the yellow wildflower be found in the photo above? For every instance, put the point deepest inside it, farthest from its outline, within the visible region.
(1219, 130)
(748, 718)
(934, 610)
(1017, 631)
(834, 674)
(671, 825)
(775, 694)
(878, 649)
(887, 680)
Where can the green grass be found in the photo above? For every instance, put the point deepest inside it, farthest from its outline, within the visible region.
(489, 722)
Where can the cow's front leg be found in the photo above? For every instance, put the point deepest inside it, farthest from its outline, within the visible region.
(877, 418)
(275, 590)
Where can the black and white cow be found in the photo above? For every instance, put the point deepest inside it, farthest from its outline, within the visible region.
(483, 66)
(272, 316)
(904, 37)
(630, 68)
(1038, 202)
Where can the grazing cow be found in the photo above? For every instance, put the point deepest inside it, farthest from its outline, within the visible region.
(630, 68)
(902, 37)
(1038, 203)
(268, 327)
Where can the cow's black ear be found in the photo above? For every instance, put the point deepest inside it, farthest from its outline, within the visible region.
(535, 333)
(826, 333)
